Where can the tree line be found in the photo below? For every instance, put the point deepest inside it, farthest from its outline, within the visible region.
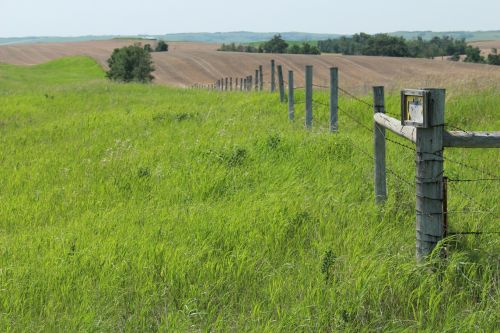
(276, 45)
(392, 46)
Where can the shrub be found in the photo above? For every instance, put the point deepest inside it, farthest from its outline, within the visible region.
(130, 63)
(161, 47)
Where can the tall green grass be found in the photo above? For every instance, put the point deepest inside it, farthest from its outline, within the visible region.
(145, 208)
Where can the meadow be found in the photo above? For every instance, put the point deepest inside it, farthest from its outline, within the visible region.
(128, 207)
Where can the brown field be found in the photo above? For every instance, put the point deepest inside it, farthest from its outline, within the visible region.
(189, 63)
(486, 46)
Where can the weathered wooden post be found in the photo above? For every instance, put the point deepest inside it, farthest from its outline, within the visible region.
(249, 83)
(245, 84)
(334, 99)
(291, 97)
(429, 178)
(273, 79)
(256, 79)
(309, 95)
(227, 84)
(281, 84)
(379, 147)
(261, 78)
(231, 84)
(236, 84)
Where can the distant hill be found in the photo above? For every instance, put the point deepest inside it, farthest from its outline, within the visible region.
(250, 37)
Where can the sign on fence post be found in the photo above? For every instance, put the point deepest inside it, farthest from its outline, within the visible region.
(281, 84)
(334, 99)
(309, 93)
(379, 147)
(291, 97)
(429, 178)
(273, 79)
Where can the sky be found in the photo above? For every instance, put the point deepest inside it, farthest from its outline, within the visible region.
(126, 17)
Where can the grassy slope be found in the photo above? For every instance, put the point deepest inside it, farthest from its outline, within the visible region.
(141, 208)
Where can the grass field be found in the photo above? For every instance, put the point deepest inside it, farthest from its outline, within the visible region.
(145, 208)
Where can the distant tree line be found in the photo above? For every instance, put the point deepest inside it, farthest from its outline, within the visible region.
(276, 45)
(392, 46)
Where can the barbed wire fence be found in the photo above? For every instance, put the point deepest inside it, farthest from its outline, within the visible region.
(256, 82)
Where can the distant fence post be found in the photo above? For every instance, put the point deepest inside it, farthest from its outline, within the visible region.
(379, 147)
(245, 84)
(227, 85)
(281, 84)
(261, 78)
(250, 82)
(309, 93)
(429, 177)
(256, 79)
(231, 84)
(241, 84)
(291, 97)
(236, 84)
(273, 79)
(334, 99)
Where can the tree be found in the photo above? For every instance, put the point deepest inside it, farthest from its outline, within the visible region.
(454, 57)
(275, 45)
(130, 63)
(473, 54)
(161, 47)
(148, 48)
(294, 49)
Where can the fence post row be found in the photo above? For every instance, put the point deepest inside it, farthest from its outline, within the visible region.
(281, 84)
(334, 99)
(291, 96)
(379, 147)
(309, 93)
(273, 79)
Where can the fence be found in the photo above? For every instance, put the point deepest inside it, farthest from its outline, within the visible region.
(422, 122)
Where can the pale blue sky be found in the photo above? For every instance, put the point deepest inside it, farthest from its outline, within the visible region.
(99, 17)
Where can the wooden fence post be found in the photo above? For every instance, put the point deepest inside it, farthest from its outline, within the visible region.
(334, 99)
(256, 79)
(250, 82)
(261, 78)
(241, 84)
(227, 84)
(231, 84)
(281, 84)
(429, 178)
(379, 147)
(245, 84)
(291, 97)
(273, 80)
(309, 95)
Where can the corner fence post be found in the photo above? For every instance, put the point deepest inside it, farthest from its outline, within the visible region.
(379, 147)
(334, 99)
(291, 97)
(273, 79)
(281, 84)
(429, 179)
(309, 94)
(261, 78)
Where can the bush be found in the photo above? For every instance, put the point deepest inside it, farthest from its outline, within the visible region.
(148, 48)
(161, 47)
(130, 63)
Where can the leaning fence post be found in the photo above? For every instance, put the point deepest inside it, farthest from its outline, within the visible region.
(334, 99)
(261, 78)
(429, 178)
(291, 97)
(309, 93)
(273, 80)
(281, 84)
(379, 147)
